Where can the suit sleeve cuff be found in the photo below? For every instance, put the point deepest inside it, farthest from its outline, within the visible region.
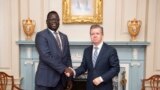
(101, 79)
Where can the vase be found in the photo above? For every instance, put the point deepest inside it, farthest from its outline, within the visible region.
(134, 28)
(28, 28)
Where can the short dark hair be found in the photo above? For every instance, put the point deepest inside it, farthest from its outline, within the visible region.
(52, 12)
(96, 26)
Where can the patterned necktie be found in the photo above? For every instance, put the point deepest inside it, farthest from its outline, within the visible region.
(94, 56)
(58, 40)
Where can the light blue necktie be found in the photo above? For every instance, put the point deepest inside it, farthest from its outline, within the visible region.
(94, 56)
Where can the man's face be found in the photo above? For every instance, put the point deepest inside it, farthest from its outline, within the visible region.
(96, 36)
(53, 22)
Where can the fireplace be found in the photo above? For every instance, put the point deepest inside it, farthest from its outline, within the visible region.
(131, 55)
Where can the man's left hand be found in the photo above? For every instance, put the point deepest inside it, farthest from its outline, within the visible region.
(97, 81)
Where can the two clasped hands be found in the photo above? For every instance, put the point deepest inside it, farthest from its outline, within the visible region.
(71, 72)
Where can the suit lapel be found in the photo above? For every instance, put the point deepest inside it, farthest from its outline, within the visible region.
(90, 55)
(62, 40)
(53, 39)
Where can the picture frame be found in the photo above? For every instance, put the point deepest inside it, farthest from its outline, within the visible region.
(82, 11)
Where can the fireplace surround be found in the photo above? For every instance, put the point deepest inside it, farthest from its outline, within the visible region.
(131, 55)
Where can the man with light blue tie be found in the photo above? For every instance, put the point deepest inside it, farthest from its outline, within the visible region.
(100, 61)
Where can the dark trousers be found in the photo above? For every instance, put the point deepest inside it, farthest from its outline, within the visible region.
(58, 87)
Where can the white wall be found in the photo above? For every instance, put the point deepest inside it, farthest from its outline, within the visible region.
(9, 34)
(116, 13)
(153, 35)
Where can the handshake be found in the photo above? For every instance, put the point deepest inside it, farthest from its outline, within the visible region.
(69, 72)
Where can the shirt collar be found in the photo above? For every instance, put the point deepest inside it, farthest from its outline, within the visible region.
(99, 46)
(53, 31)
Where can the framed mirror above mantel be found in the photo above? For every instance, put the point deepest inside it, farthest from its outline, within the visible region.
(131, 55)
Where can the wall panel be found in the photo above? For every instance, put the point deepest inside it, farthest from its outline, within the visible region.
(157, 36)
(128, 10)
(36, 10)
(5, 34)
(151, 31)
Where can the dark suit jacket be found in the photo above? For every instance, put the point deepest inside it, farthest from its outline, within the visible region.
(107, 66)
(52, 61)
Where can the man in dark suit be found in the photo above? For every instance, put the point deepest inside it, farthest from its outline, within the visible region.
(100, 61)
(54, 56)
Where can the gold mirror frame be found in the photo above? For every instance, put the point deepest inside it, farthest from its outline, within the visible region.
(97, 17)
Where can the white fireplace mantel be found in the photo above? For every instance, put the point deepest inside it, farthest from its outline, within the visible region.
(131, 55)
